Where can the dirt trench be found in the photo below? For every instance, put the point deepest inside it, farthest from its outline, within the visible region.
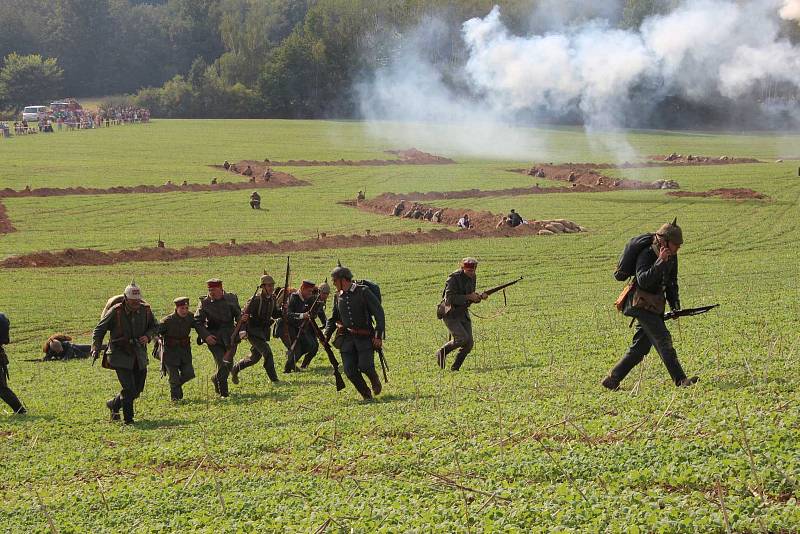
(279, 179)
(410, 156)
(84, 257)
(724, 192)
(678, 160)
(5, 223)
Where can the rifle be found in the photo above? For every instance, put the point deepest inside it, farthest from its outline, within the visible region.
(688, 312)
(329, 351)
(502, 286)
(312, 312)
(384, 365)
(235, 339)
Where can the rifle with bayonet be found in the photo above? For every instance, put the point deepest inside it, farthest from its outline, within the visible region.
(235, 337)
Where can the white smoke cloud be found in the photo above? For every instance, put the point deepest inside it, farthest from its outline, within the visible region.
(790, 10)
(704, 50)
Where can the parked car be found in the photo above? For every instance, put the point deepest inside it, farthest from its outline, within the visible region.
(31, 113)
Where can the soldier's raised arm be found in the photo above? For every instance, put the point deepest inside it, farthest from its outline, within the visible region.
(672, 291)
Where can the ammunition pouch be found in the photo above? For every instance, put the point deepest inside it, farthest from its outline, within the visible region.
(619, 304)
(651, 302)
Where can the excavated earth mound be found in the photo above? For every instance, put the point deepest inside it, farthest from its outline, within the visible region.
(480, 220)
(411, 156)
(691, 159)
(77, 257)
(5, 223)
(725, 193)
(586, 175)
(279, 179)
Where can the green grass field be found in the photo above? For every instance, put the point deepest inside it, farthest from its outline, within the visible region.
(522, 439)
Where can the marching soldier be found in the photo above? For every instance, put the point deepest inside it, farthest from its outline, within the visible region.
(5, 392)
(459, 293)
(132, 326)
(176, 346)
(304, 341)
(216, 319)
(355, 307)
(656, 284)
(262, 310)
(255, 200)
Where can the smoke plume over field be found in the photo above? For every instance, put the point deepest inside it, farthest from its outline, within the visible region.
(717, 56)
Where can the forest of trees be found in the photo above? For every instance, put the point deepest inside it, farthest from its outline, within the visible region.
(229, 58)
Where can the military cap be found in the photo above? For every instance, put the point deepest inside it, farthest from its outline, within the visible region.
(181, 301)
(307, 283)
(267, 279)
(342, 273)
(214, 282)
(132, 291)
(671, 232)
(469, 261)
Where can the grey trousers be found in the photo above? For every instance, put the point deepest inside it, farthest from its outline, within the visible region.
(651, 331)
(461, 330)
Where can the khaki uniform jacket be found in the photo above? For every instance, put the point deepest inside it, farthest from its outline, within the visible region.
(176, 331)
(126, 326)
(218, 318)
(456, 289)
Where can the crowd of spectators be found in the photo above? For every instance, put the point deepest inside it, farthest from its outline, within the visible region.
(74, 117)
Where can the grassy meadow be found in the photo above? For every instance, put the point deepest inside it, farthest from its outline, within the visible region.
(523, 439)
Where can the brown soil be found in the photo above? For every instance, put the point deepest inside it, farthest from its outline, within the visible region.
(411, 156)
(690, 159)
(5, 223)
(726, 193)
(77, 257)
(279, 179)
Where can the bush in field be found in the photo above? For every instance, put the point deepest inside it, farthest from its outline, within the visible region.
(28, 80)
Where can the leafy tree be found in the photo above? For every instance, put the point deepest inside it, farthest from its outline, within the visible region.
(29, 80)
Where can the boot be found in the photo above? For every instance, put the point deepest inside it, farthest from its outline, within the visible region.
(176, 393)
(127, 411)
(235, 374)
(112, 405)
(459, 360)
(688, 382)
(610, 382)
(306, 360)
(361, 386)
(223, 388)
(372, 374)
(216, 384)
(273, 376)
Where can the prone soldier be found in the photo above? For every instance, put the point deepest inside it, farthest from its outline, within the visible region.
(359, 322)
(216, 319)
(176, 346)
(132, 326)
(459, 293)
(262, 309)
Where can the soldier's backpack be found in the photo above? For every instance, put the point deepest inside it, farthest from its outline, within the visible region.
(374, 288)
(626, 266)
(5, 326)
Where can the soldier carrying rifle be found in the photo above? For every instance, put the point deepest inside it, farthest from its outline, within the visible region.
(655, 282)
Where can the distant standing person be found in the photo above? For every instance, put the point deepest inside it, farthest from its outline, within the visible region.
(459, 293)
(216, 319)
(656, 280)
(255, 200)
(132, 326)
(6, 394)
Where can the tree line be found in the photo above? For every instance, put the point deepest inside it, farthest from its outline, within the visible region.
(229, 58)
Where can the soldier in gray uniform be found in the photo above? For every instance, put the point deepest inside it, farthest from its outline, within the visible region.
(304, 341)
(359, 322)
(176, 346)
(459, 293)
(132, 326)
(398, 208)
(262, 309)
(216, 319)
(255, 200)
(656, 284)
